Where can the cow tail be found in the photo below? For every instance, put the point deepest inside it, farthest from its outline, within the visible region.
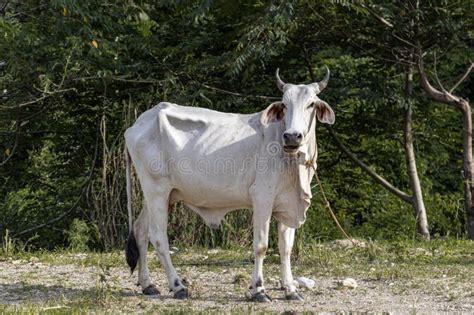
(131, 248)
(128, 175)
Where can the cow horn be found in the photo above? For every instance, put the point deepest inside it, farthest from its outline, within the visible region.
(321, 85)
(280, 83)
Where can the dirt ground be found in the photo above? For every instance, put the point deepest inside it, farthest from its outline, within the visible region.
(41, 286)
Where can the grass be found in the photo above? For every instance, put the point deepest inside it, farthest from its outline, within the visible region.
(439, 267)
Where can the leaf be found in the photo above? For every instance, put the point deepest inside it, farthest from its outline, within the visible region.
(7, 151)
(95, 43)
(65, 11)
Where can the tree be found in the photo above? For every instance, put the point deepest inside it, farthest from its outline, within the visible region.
(447, 97)
(412, 31)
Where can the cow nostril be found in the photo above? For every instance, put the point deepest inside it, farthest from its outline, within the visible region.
(286, 136)
(299, 136)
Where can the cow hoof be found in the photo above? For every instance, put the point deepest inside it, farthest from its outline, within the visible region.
(151, 290)
(294, 296)
(261, 297)
(181, 294)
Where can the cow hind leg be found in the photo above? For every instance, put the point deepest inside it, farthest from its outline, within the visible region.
(141, 233)
(159, 238)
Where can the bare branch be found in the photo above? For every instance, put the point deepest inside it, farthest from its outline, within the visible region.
(120, 78)
(379, 179)
(51, 221)
(378, 17)
(386, 23)
(403, 40)
(46, 95)
(442, 97)
(272, 98)
(3, 7)
(27, 14)
(463, 77)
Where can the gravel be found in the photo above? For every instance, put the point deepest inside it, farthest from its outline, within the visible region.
(217, 289)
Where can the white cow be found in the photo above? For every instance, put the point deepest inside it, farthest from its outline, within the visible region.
(218, 162)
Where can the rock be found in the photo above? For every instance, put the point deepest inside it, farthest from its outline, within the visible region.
(213, 251)
(305, 282)
(240, 279)
(275, 282)
(81, 256)
(348, 283)
(349, 243)
(34, 259)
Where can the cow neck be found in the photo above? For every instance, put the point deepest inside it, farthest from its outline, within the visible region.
(304, 176)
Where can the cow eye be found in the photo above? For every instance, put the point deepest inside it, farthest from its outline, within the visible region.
(311, 105)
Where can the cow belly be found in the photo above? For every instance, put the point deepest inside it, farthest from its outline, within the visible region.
(211, 206)
(210, 193)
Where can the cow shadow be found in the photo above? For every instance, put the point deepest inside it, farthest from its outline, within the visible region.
(19, 292)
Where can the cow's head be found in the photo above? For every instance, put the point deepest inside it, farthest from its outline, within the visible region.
(298, 108)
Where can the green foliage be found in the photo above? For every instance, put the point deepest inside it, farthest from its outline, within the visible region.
(75, 74)
(79, 235)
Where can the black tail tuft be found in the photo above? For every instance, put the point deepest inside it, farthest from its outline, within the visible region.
(131, 251)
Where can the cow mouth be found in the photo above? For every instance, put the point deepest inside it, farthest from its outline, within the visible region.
(292, 149)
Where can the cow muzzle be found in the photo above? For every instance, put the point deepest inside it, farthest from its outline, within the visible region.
(292, 140)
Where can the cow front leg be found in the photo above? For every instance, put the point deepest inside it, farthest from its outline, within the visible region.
(286, 237)
(159, 239)
(261, 225)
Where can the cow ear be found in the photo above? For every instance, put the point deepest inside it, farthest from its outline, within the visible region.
(324, 112)
(274, 112)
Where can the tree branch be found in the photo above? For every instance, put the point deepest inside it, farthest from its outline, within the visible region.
(272, 98)
(463, 77)
(51, 221)
(3, 7)
(46, 95)
(378, 17)
(379, 179)
(442, 97)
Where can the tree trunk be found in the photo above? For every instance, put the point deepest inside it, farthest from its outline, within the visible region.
(468, 167)
(417, 197)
